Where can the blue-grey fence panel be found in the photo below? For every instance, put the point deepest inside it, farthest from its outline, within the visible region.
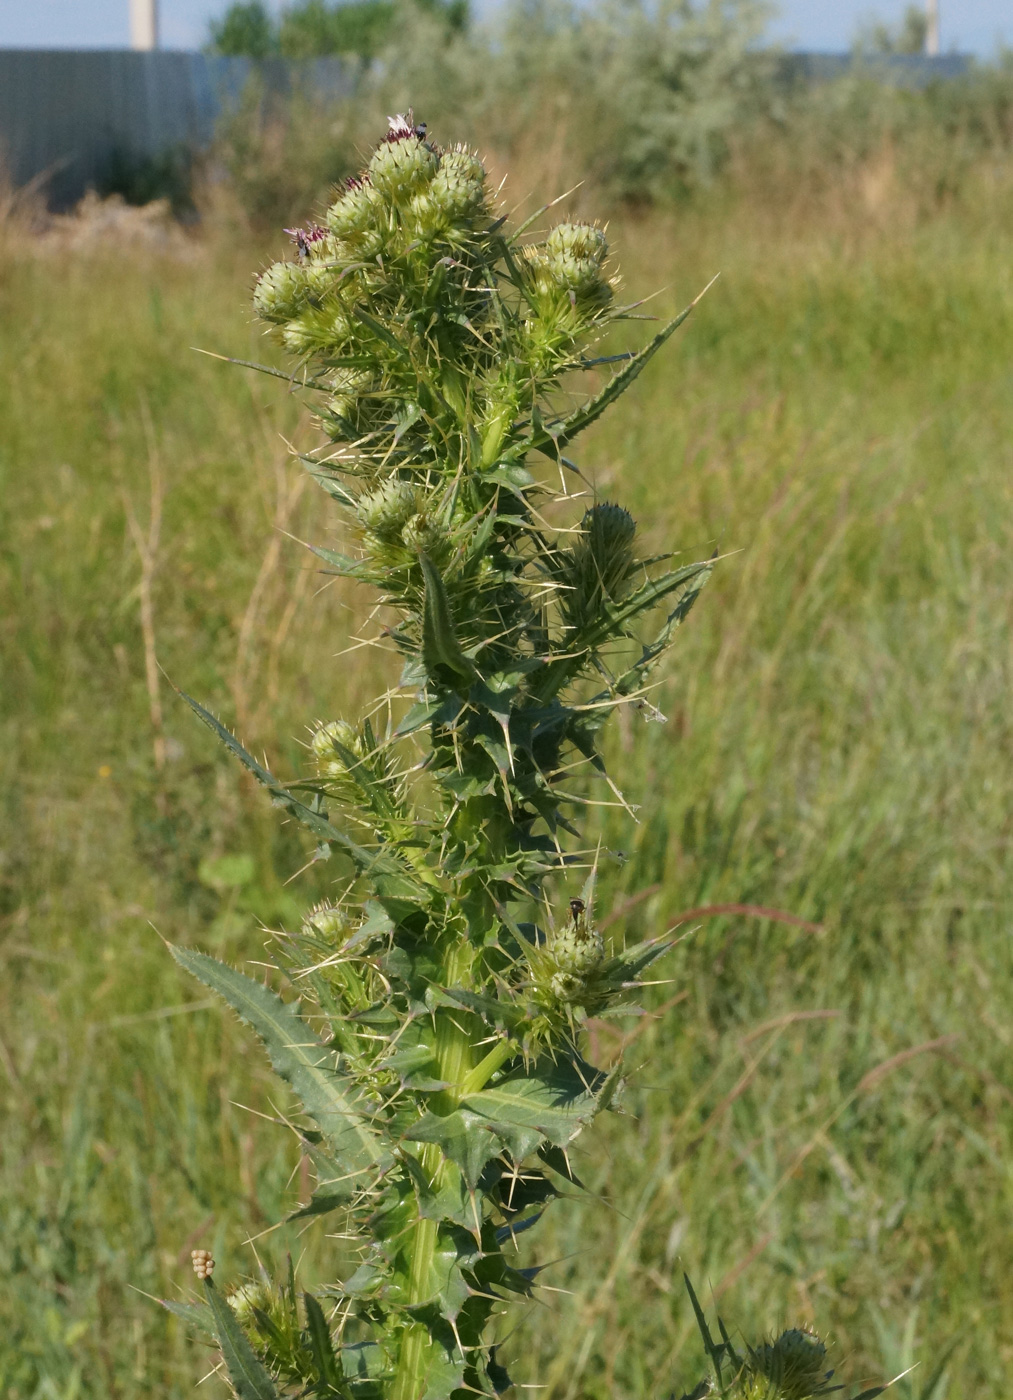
(65, 115)
(899, 69)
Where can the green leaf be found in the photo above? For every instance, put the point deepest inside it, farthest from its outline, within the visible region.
(324, 476)
(467, 1140)
(440, 646)
(196, 1314)
(390, 877)
(308, 1066)
(249, 1378)
(343, 564)
(564, 430)
(364, 1361)
(325, 1363)
(637, 673)
(552, 1101)
(715, 1352)
(650, 593)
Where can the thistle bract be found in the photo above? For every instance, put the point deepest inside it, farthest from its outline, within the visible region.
(435, 1048)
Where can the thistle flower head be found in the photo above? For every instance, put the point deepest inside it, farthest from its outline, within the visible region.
(347, 388)
(403, 161)
(355, 209)
(574, 255)
(423, 534)
(247, 1298)
(321, 329)
(793, 1366)
(385, 512)
(326, 922)
(585, 242)
(457, 191)
(305, 239)
(599, 566)
(328, 741)
(282, 292)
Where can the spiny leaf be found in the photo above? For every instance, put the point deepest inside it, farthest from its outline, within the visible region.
(311, 1068)
(341, 563)
(556, 436)
(249, 1378)
(325, 1363)
(440, 647)
(650, 593)
(196, 1314)
(714, 1351)
(467, 1140)
(391, 879)
(550, 1101)
(324, 477)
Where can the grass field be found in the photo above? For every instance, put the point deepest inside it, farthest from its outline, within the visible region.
(821, 1122)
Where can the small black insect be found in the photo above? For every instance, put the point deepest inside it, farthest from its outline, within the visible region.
(576, 909)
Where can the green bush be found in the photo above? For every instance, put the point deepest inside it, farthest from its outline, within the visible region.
(315, 29)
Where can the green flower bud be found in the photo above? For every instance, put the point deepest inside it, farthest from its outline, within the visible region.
(750, 1386)
(326, 922)
(793, 1365)
(348, 386)
(572, 263)
(355, 211)
(578, 949)
(458, 188)
(281, 293)
(423, 533)
(401, 165)
(386, 511)
(247, 1297)
(584, 242)
(319, 329)
(600, 564)
(330, 763)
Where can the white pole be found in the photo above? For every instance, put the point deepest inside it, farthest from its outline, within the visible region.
(932, 28)
(144, 24)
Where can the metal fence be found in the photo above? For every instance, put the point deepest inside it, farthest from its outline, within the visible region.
(66, 116)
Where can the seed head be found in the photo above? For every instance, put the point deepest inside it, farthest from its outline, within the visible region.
(203, 1264)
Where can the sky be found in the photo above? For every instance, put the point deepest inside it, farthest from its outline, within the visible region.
(970, 26)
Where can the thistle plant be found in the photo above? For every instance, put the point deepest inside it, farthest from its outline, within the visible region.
(435, 1036)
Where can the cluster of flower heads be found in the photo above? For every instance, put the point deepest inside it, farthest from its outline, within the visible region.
(413, 242)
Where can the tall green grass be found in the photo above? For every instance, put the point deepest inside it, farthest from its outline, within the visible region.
(824, 1115)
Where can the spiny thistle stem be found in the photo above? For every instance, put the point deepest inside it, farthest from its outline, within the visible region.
(436, 1044)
